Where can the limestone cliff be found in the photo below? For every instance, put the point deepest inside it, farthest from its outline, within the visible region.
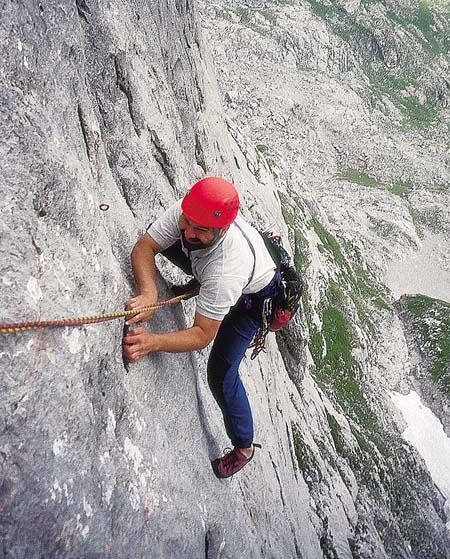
(109, 111)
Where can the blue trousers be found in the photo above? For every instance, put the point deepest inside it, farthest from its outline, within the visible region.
(235, 334)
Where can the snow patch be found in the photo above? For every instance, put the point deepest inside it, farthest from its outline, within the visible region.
(426, 433)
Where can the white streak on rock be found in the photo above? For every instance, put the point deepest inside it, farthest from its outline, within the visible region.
(34, 290)
(68, 495)
(143, 479)
(87, 353)
(58, 447)
(134, 454)
(51, 354)
(72, 338)
(135, 498)
(56, 491)
(111, 424)
(87, 507)
(84, 530)
(139, 423)
(108, 494)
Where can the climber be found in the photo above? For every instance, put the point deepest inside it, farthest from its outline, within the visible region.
(204, 236)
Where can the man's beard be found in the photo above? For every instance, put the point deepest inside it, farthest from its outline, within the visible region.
(194, 246)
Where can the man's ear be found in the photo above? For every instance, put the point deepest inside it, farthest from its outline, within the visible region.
(222, 231)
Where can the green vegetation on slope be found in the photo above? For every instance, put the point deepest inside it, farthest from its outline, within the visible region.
(432, 218)
(385, 43)
(336, 369)
(377, 458)
(356, 176)
(332, 347)
(431, 326)
(259, 20)
(306, 460)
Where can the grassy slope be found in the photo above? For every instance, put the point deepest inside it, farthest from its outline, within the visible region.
(397, 49)
(429, 321)
(379, 459)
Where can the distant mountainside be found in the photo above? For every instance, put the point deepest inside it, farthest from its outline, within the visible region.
(344, 106)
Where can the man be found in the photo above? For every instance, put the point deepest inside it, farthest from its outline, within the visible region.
(203, 235)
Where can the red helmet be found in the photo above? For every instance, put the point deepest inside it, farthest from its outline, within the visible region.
(211, 202)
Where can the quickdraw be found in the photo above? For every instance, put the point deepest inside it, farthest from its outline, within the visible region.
(26, 326)
(259, 341)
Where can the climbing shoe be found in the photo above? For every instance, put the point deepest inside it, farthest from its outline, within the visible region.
(192, 287)
(232, 461)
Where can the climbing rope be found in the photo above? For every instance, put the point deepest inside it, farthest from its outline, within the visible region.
(26, 326)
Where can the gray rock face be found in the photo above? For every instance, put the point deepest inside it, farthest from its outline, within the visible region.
(109, 112)
(115, 105)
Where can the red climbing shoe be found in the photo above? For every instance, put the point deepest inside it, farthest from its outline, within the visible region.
(233, 461)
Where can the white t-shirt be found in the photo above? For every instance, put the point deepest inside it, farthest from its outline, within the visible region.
(223, 270)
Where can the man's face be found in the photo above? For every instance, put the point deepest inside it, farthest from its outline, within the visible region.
(196, 236)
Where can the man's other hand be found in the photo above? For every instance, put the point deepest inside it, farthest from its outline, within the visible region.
(139, 302)
(138, 343)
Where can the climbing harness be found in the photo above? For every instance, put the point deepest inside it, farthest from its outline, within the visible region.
(278, 309)
(243, 233)
(26, 326)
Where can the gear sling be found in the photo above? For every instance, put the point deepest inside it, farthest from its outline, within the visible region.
(276, 310)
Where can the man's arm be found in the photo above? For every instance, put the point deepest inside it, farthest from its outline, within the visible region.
(144, 270)
(138, 342)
